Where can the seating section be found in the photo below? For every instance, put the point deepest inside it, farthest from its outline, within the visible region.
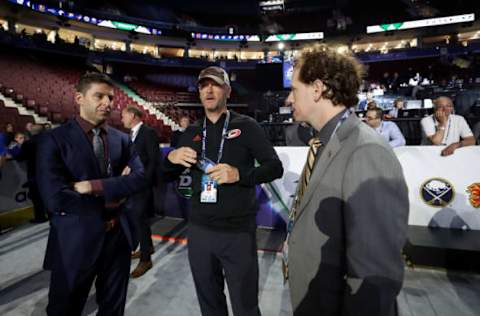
(48, 88)
(11, 115)
(168, 100)
(161, 94)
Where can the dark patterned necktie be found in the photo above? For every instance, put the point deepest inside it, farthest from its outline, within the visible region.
(314, 143)
(99, 150)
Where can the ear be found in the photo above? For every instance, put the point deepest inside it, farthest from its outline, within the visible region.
(229, 91)
(78, 97)
(318, 89)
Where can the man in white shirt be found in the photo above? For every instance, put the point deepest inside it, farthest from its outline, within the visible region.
(445, 128)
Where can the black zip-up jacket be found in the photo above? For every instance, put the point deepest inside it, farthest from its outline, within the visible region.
(235, 209)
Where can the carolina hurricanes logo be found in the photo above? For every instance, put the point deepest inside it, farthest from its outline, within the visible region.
(197, 138)
(234, 133)
(474, 190)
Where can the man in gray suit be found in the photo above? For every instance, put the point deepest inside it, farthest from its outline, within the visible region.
(349, 219)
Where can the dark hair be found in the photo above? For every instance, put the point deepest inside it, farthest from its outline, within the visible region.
(397, 100)
(372, 105)
(134, 110)
(378, 112)
(341, 73)
(92, 77)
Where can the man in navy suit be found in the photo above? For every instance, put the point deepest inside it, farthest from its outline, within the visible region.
(146, 144)
(85, 171)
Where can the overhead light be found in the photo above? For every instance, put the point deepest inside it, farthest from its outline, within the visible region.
(281, 46)
(272, 5)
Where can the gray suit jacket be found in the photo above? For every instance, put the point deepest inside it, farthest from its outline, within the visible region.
(345, 245)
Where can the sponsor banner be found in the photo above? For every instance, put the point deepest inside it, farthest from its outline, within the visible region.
(421, 23)
(13, 186)
(443, 191)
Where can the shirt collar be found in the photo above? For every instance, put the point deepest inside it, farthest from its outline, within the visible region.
(326, 132)
(380, 127)
(136, 128)
(86, 126)
(220, 121)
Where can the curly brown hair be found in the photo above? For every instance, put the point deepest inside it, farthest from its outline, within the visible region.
(341, 73)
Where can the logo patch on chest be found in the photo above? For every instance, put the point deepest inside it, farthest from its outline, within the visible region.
(234, 133)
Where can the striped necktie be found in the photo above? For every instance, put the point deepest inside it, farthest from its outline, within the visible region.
(314, 143)
(99, 150)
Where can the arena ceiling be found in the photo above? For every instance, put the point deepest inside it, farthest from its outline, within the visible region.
(297, 16)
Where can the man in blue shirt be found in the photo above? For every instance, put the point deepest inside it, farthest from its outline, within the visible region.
(387, 129)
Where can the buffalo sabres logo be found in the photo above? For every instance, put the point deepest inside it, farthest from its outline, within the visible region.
(437, 192)
(474, 191)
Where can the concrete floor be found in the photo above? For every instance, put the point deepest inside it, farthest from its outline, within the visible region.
(168, 289)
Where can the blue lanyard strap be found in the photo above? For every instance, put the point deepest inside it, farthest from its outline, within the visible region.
(344, 117)
(222, 142)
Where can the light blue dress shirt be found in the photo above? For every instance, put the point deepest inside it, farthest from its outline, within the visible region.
(392, 133)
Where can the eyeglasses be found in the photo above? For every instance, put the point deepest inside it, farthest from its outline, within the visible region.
(369, 118)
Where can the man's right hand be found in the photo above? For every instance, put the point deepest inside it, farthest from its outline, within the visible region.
(184, 156)
(441, 117)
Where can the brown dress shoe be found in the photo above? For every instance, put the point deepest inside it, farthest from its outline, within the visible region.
(136, 254)
(141, 269)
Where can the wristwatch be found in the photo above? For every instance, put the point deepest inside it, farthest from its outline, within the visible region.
(442, 128)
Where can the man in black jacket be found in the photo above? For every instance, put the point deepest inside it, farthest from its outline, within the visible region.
(146, 144)
(221, 151)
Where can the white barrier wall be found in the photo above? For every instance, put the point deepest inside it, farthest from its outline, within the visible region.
(443, 191)
(13, 190)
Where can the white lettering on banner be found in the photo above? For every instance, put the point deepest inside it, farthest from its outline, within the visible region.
(443, 191)
(13, 188)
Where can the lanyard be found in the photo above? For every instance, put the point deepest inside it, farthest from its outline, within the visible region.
(224, 134)
(342, 120)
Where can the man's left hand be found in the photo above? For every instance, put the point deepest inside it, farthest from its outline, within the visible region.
(224, 173)
(83, 187)
(447, 151)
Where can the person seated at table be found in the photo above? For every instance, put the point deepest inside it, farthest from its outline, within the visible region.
(444, 128)
(398, 105)
(389, 130)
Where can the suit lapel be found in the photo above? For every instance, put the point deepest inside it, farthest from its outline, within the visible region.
(329, 152)
(139, 135)
(84, 148)
(328, 155)
(114, 146)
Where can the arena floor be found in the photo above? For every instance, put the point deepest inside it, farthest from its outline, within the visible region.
(168, 289)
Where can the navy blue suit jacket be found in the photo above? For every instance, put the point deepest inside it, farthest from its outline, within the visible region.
(64, 156)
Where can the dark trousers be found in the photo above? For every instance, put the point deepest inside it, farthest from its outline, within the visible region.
(112, 273)
(143, 204)
(213, 255)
